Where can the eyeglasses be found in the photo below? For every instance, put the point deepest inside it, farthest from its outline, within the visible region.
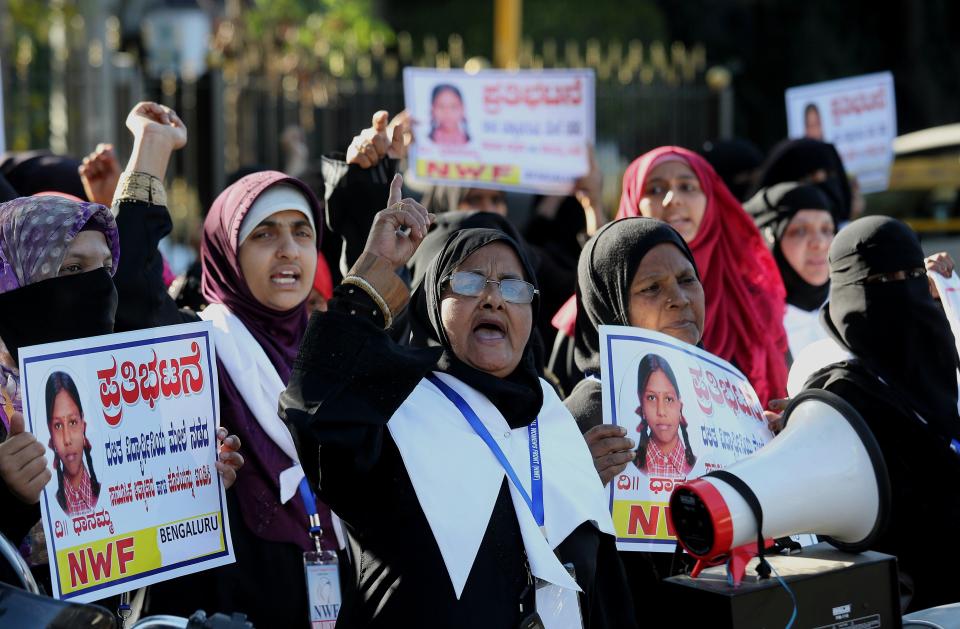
(470, 284)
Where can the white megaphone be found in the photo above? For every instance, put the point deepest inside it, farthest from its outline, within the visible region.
(823, 474)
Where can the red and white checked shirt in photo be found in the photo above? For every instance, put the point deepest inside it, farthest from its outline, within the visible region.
(672, 465)
(80, 500)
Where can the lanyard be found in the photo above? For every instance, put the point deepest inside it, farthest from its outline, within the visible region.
(536, 469)
(310, 502)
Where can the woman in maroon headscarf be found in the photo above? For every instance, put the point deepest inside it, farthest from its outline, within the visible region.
(259, 254)
(745, 297)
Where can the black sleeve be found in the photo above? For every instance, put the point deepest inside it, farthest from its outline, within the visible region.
(143, 299)
(353, 197)
(585, 403)
(348, 380)
(18, 518)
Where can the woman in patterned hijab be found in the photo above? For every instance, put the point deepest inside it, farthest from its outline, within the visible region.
(57, 258)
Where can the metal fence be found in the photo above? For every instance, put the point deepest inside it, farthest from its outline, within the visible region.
(74, 91)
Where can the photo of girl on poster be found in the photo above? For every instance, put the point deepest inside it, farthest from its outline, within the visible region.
(77, 486)
(448, 121)
(660, 449)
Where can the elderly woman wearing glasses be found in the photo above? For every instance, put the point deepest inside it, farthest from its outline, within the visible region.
(468, 493)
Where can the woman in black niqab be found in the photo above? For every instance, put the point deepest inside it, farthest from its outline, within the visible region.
(902, 380)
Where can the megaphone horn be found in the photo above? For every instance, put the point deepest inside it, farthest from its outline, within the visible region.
(823, 474)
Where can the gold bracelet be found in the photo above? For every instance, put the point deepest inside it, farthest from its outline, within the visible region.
(380, 274)
(367, 287)
(137, 186)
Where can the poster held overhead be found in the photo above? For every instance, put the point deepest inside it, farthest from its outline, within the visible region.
(130, 422)
(858, 115)
(526, 131)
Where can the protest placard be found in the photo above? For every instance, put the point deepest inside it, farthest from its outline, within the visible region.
(524, 130)
(858, 115)
(949, 289)
(689, 413)
(130, 423)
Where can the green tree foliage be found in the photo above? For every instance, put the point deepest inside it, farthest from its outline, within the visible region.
(311, 29)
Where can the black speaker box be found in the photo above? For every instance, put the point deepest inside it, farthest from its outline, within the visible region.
(833, 590)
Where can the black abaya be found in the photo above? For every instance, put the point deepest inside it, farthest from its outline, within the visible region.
(348, 381)
(903, 383)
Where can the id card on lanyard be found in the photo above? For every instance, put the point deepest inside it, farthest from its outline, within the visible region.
(556, 607)
(322, 570)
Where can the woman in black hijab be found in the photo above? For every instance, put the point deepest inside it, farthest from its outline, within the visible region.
(635, 271)
(440, 533)
(797, 222)
(903, 380)
(546, 241)
(607, 273)
(809, 161)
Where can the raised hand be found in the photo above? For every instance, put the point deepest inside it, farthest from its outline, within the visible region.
(376, 142)
(399, 229)
(229, 459)
(400, 132)
(100, 172)
(23, 463)
(157, 132)
(589, 192)
(611, 450)
(160, 121)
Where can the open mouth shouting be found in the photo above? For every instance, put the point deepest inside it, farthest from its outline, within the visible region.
(489, 330)
(285, 277)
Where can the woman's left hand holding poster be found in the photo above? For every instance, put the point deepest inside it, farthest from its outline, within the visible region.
(23, 463)
(611, 450)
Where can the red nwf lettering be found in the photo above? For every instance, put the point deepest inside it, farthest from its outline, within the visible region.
(639, 519)
(100, 564)
(465, 171)
(438, 169)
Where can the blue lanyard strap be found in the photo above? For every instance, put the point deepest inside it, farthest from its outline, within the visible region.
(311, 504)
(533, 432)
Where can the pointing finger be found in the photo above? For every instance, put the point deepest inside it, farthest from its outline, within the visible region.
(396, 190)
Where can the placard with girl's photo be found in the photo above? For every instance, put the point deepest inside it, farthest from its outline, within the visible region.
(524, 130)
(130, 421)
(687, 411)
